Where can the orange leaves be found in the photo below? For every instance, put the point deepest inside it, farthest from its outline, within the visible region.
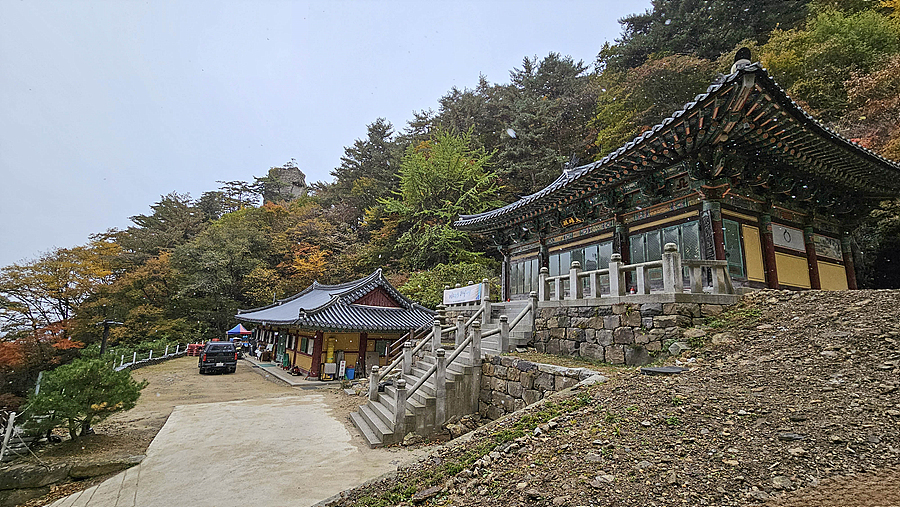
(11, 355)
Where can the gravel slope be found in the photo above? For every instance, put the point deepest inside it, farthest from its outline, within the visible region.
(793, 401)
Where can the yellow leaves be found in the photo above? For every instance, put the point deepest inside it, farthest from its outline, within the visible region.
(892, 7)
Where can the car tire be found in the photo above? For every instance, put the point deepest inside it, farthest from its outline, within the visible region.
(232, 369)
(202, 371)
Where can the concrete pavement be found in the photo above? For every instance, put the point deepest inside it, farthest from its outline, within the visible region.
(275, 370)
(287, 451)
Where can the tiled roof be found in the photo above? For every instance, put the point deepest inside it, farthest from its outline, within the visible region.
(332, 308)
(750, 111)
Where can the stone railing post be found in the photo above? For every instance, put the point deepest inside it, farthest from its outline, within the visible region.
(177, 347)
(407, 357)
(435, 335)
(616, 276)
(486, 302)
(134, 358)
(595, 285)
(374, 379)
(166, 353)
(442, 313)
(504, 334)
(460, 329)
(476, 344)
(557, 289)
(643, 281)
(543, 287)
(575, 288)
(672, 278)
(440, 387)
(122, 361)
(400, 408)
(151, 355)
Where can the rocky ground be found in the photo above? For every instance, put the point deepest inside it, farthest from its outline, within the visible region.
(793, 400)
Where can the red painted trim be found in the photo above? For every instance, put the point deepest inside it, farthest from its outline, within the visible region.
(849, 266)
(768, 245)
(811, 259)
(317, 353)
(378, 297)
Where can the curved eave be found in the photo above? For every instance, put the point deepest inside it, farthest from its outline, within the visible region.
(744, 110)
(338, 316)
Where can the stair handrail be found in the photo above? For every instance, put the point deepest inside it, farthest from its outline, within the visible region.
(474, 317)
(456, 352)
(397, 346)
(426, 339)
(522, 314)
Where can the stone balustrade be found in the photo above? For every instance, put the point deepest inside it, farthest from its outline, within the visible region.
(553, 288)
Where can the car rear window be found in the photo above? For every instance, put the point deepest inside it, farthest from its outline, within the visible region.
(220, 347)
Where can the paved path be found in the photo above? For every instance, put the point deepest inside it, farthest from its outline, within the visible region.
(273, 369)
(279, 452)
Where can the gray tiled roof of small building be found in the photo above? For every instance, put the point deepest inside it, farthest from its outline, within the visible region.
(330, 307)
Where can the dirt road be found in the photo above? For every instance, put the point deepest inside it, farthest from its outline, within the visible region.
(178, 383)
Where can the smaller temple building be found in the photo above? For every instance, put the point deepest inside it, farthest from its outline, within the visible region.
(322, 326)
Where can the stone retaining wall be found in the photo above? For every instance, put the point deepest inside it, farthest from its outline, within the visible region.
(21, 482)
(623, 333)
(509, 384)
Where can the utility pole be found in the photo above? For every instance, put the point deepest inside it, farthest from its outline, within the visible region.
(106, 323)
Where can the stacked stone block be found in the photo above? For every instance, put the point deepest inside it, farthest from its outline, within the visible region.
(623, 333)
(509, 384)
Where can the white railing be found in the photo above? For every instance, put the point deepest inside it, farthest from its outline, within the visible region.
(551, 288)
(137, 362)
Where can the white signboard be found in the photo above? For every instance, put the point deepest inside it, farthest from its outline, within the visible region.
(343, 369)
(786, 237)
(466, 294)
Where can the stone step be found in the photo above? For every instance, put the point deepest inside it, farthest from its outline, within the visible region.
(366, 430)
(374, 423)
(383, 412)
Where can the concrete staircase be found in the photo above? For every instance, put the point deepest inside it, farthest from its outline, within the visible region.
(379, 421)
(519, 336)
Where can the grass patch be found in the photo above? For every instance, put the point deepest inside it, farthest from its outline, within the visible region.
(736, 317)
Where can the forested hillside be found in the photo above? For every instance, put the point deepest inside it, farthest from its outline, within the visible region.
(181, 271)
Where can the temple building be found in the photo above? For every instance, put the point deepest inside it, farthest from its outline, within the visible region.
(324, 325)
(741, 174)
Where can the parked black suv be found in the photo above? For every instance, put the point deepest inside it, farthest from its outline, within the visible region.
(218, 356)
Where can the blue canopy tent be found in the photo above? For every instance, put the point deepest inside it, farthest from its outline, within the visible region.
(238, 330)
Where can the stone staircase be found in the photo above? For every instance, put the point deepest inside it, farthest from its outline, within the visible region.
(379, 421)
(519, 336)
(376, 419)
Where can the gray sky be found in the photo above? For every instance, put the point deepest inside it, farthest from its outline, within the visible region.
(107, 105)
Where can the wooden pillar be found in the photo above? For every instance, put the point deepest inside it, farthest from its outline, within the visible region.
(504, 275)
(620, 241)
(768, 247)
(849, 266)
(714, 209)
(620, 245)
(318, 342)
(812, 260)
(363, 347)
